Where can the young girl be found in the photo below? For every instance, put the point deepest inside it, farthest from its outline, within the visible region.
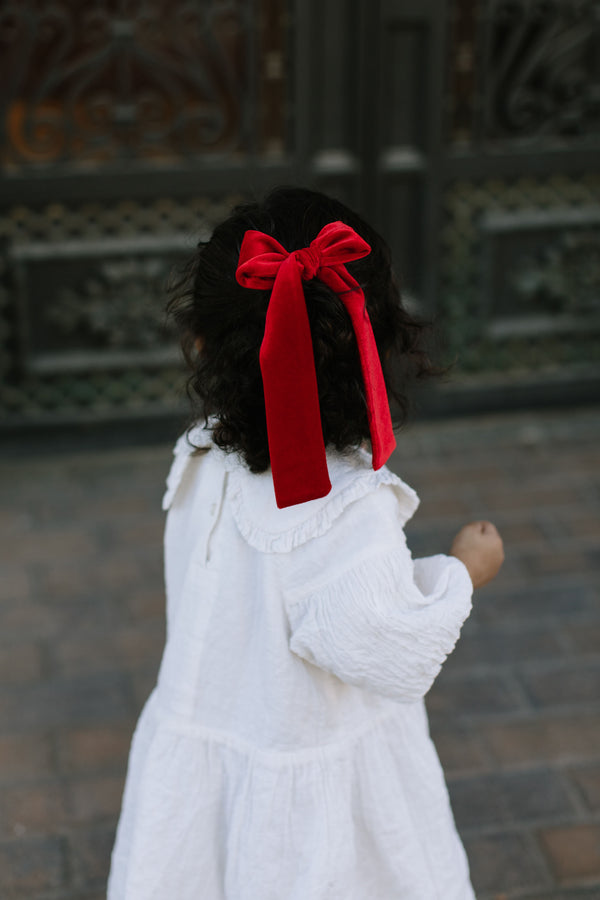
(284, 753)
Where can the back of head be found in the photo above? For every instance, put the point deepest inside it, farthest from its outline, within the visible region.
(222, 326)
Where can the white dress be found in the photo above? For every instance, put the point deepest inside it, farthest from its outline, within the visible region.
(284, 753)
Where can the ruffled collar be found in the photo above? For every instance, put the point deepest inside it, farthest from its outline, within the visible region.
(270, 529)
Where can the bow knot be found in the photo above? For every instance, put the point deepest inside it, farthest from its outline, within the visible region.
(309, 262)
(294, 430)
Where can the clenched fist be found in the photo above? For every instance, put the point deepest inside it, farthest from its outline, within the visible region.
(479, 546)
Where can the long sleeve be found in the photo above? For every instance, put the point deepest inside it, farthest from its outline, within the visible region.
(385, 623)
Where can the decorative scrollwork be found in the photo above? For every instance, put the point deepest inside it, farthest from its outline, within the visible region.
(541, 74)
(159, 82)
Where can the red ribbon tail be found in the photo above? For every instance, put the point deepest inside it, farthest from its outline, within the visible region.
(350, 293)
(295, 433)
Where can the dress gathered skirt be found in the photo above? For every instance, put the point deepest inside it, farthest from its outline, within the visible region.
(284, 753)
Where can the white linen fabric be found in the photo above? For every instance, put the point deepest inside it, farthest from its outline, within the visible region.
(284, 753)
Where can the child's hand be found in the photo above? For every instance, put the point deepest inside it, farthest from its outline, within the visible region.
(479, 546)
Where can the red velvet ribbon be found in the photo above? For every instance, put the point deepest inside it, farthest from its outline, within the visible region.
(295, 434)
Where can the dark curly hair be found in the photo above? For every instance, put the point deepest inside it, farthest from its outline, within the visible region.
(226, 321)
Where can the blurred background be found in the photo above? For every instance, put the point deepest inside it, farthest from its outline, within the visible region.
(468, 132)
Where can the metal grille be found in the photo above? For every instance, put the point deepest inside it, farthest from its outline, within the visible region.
(541, 70)
(521, 273)
(97, 82)
(466, 130)
(129, 129)
(82, 304)
(521, 70)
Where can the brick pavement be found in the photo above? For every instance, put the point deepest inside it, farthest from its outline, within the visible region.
(515, 713)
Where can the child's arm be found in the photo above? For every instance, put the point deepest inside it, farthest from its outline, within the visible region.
(384, 623)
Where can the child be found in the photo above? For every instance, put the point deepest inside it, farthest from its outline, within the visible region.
(284, 753)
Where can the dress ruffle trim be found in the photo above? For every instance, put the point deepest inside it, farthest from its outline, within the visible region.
(270, 529)
(273, 530)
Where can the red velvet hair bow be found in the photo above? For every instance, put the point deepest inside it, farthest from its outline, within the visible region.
(296, 445)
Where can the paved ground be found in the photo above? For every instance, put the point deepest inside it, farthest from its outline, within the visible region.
(515, 713)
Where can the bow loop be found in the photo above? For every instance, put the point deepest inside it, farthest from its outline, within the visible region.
(260, 259)
(338, 244)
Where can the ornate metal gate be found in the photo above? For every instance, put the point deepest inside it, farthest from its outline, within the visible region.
(520, 241)
(468, 131)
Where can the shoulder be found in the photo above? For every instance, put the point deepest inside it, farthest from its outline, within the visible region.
(196, 441)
